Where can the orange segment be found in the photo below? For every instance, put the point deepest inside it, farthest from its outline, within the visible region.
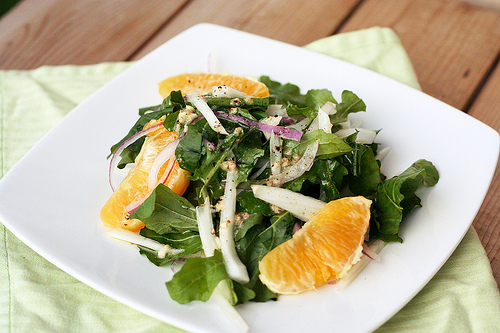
(203, 83)
(135, 185)
(323, 250)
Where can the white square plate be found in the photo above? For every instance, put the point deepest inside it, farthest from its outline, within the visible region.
(64, 178)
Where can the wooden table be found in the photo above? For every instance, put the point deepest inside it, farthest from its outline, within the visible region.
(454, 46)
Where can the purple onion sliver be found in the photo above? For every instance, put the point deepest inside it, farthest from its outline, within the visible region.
(366, 254)
(174, 262)
(296, 227)
(284, 132)
(288, 120)
(121, 148)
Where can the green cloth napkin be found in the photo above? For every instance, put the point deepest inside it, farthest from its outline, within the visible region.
(37, 296)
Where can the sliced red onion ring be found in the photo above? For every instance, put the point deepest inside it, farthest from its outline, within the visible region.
(168, 170)
(114, 158)
(163, 156)
(296, 227)
(175, 263)
(284, 132)
(370, 253)
(288, 120)
(131, 207)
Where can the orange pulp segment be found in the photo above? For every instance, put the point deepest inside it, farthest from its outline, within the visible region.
(203, 83)
(324, 249)
(135, 185)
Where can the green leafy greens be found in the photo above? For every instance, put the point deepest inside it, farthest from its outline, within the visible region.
(342, 166)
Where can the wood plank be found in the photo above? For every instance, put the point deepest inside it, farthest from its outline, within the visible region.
(300, 22)
(39, 33)
(295, 21)
(435, 32)
(487, 223)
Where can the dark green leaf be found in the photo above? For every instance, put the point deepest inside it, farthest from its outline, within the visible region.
(243, 293)
(329, 145)
(249, 203)
(284, 94)
(331, 174)
(165, 211)
(209, 166)
(248, 223)
(296, 112)
(171, 121)
(350, 103)
(257, 243)
(316, 98)
(396, 197)
(189, 241)
(197, 279)
(365, 170)
(190, 150)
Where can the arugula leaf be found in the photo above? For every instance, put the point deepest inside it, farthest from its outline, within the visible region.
(165, 211)
(197, 279)
(350, 103)
(247, 103)
(175, 100)
(364, 170)
(316, 98)
(330, 145)
(187, 241)
(249, 203)
(296, 112)
(211, 164)
(170, 121)
(396, 198)
(246, 157)
(284, 94)
(331, 173)
(243, 293)
(190, 150)
(251, 221)
(257, 243)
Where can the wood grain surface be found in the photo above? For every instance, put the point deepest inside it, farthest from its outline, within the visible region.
(453, 45)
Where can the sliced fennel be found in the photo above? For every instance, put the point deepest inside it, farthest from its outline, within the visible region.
(234, 267)
(301, 206)
(222, 293)
(199, 102)
(206, 228)
(132, 238)
(226, 91)
(357, 268)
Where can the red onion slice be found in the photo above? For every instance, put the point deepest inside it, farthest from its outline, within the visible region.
(131, 207)
(284, 132)
(114, 158)
(163, 156)
(168, 170)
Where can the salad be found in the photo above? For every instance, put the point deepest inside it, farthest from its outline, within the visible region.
(235, 155)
